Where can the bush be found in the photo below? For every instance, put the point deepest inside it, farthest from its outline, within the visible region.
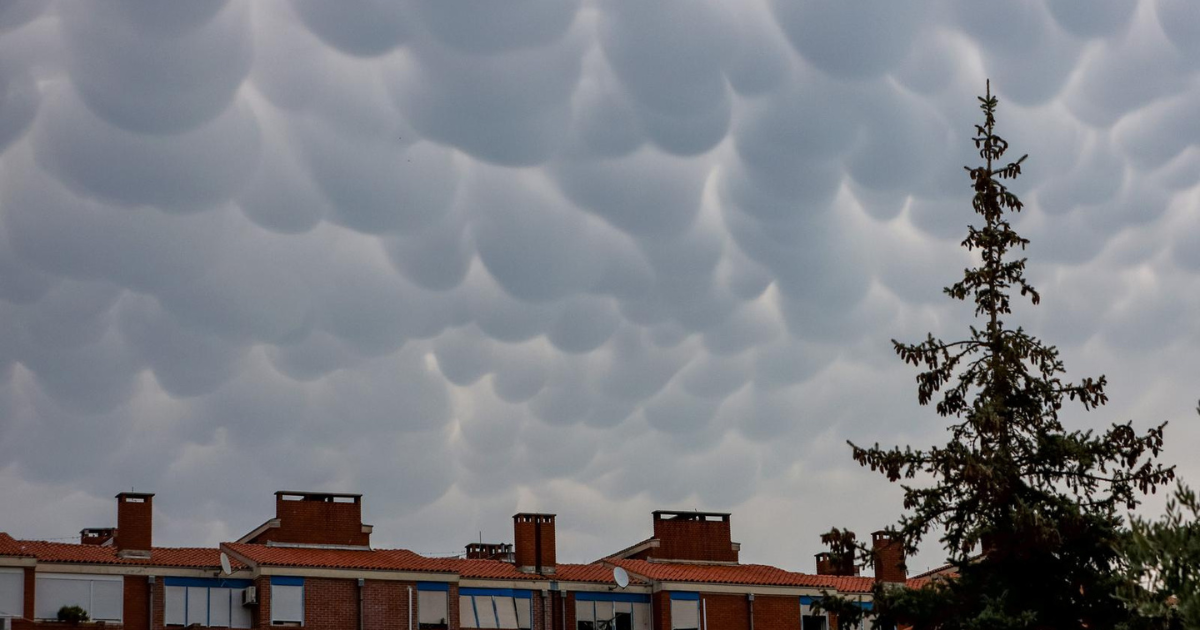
(73, 615)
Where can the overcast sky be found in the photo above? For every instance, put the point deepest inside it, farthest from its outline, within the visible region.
(589, 257)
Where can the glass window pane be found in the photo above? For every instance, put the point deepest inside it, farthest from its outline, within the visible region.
(484, 611)
(218, 607)
(197, 605)
(506, 612)
(585, 615)
(685, 614)
(641, 616)
(604, 615)
(585, 611)
(175, 597)
(524, 612)
(108, 598)
(176, 605)
(12, 593)
(813, 622)
(50, 594)
(431, 608)
(466, 612)
(240, 614)
(287, 603)
(622, 616)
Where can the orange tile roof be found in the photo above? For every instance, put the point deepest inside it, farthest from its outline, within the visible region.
(751, 574)
(595, 572)
(10, 547)
(308, 557)
(73, 553)
(845, 583)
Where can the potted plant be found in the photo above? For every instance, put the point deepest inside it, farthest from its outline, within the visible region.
(73, 615)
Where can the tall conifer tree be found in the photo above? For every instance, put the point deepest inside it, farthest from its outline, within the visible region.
(1029, 511)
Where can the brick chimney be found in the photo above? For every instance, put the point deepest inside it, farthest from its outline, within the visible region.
(135, 524)
(889, 558)
(317, 518)
(490, 551)
(826, 565)
(701, 536)
(96, 535)
(534, 542)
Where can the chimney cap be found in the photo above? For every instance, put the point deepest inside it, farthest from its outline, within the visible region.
(885, 534)
(319, 496)
(135, 495)
(689, 515)
(532, 515)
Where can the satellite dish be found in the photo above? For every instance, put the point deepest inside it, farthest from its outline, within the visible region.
(225, 568)
(620, 577)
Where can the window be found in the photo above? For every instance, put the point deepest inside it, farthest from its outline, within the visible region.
(287, 600)
(612, 611)
(585, 615)
(433, 605)
(12, 592)
(810, 620)
(490, 608)
(102, 596)
(685, 611)
(205, 602)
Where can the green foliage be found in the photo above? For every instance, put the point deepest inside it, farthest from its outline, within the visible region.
(1161, 562)
(843, 547)
(73, 615)
(1028, 510)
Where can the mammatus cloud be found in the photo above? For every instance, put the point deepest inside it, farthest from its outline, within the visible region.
(593, 258)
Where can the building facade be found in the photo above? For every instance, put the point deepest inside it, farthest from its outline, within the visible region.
(312, 566)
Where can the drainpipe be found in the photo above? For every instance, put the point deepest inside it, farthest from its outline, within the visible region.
(150, 619)
(361, 582)
(410, 608)
(704, 605)
(750, 596)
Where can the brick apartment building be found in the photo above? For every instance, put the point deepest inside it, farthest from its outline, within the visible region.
(312, 566)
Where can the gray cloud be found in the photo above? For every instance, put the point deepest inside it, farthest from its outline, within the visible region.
(593, 258)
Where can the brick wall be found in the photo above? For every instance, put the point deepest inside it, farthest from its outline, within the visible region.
(137, 603)
(662, 610)
(726, 612)
(262, 612)
(776, 613)
(687, 539)
(385, 605)
(317, 522)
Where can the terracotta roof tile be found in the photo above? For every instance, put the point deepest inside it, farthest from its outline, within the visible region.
(595, 572)
(371, 560)
(71, 553)
(10, 547)
(845, 583)
(751, 574)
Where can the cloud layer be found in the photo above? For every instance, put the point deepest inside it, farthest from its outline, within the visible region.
(593, 258)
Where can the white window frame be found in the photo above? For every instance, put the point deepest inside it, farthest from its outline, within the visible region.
(193, 592)
(20, 582)
(806, 611)
(90, 605)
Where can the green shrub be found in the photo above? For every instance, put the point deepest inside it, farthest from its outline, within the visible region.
(72, 614)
